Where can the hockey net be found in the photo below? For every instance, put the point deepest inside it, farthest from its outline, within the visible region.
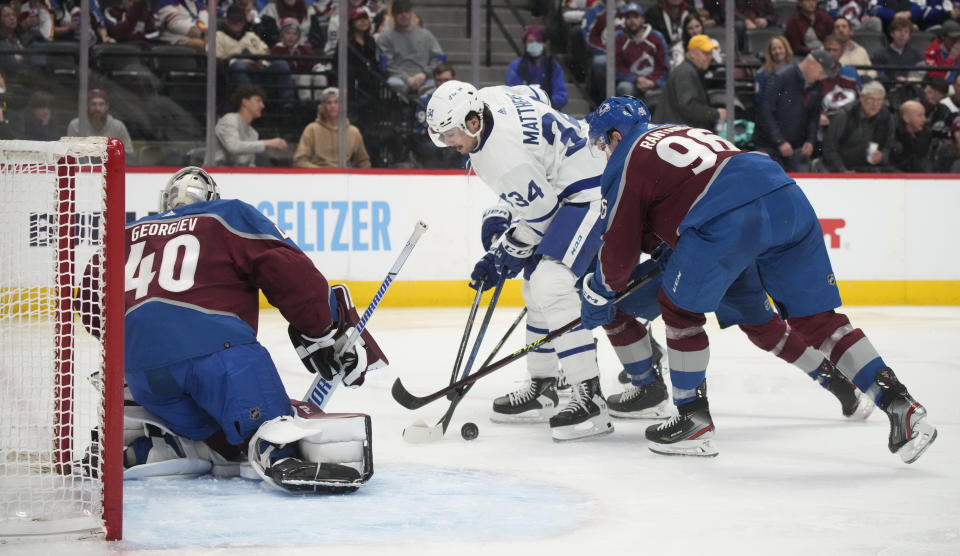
(61, 338)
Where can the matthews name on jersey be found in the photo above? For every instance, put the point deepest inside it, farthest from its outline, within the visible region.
(194, 265)
(535, 158)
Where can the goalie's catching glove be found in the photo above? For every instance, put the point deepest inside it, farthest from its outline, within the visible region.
(326, 354)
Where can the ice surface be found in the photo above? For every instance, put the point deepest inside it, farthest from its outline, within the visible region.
(793, 476)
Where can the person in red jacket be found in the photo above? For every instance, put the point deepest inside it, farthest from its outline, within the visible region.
(807, 27)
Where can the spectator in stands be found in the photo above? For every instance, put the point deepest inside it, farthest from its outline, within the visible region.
(9, 39)
(66, 22)
(333, 23)
(938, 106)
(412, 52)
(669, 17)
(38, 122)
(944, 50)
(807, 27)
(267, 28)
(594, 35)
(852, 54)
(36, 22)
(182, 22)
(859, 137)
(677, 52)
(889, 10)
(538, 67)
(856, 12)
(840, 90)
(947, 156)
(277, 12)
(685, 99)
(131, 21)
(898, 52)
(776, 55)
(102, 124)
(320, 143)
(910, 151)
(234, 42)
(237, 142)
(752, 14)
(362, 55)
(790, 110)
(427, 154)
(641, 54)
(309, 83)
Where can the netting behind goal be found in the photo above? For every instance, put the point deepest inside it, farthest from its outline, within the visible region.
(61, 338)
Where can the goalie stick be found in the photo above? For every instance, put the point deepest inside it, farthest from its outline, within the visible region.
(322, 389)
(409, 401)
(419, 432)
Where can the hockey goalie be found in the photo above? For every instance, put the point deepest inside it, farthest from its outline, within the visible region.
(208, 396)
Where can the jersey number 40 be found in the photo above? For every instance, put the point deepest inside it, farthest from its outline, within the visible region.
(139, 268)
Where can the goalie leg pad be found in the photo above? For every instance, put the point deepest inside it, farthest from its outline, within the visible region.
(333, 451)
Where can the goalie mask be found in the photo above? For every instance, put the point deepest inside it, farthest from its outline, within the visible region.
(449, 107)
(189, 185)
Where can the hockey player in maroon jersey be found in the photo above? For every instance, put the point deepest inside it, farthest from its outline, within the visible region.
(192, 360)
(738, 225)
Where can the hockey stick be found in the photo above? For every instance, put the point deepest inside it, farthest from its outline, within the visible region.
(409, 401)
(419, 432)
(322, 389)
(466, 333)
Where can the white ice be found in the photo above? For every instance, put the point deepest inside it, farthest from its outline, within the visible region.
(793, 476)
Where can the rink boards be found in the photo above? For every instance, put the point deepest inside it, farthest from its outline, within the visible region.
(887, 237)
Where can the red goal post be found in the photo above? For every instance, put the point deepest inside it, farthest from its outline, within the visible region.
(62, 219)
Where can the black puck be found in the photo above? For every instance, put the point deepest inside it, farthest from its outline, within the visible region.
(469, 431)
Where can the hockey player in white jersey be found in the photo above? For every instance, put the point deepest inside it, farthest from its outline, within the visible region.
(536, 160)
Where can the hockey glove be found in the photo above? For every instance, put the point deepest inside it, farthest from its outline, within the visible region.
(322, 355)
(496, 220)
(512, 255)
(484, 271)
(596, 303)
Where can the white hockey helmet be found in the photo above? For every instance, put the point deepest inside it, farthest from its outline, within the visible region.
(187, 186)
(449, 107)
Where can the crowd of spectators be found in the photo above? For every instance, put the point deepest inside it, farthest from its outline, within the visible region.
(823, 86)
(841, 85)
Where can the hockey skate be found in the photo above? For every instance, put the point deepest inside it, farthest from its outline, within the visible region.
(855, 406)
(689, 433)
(642, 402)
(584, 415)
(655, 363)
(910, 433)
(534, 402)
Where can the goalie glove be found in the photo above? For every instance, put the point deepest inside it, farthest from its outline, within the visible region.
(326, 355)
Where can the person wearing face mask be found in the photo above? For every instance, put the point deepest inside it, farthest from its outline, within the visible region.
(537, 67)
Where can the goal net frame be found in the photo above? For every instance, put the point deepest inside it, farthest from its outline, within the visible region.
(61, 476)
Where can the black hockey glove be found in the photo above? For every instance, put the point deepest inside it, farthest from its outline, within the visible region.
(320, 355)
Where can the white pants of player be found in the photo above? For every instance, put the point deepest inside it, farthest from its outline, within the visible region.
(552, 301)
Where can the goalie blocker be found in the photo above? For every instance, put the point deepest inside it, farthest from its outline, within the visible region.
(329, 355)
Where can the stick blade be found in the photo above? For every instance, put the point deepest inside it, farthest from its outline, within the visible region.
(405, 398)
(421, 433)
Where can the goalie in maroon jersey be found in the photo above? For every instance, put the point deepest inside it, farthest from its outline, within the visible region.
(738, 226)
(208, 391)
